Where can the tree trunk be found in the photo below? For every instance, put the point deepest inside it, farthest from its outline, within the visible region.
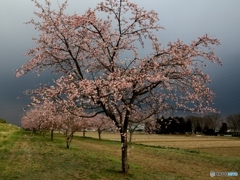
(69, 138)
(43, 133)
(67, 141)
(51, 135)
(84, 132)
(130, 136)
(125, 165)
(99, 134)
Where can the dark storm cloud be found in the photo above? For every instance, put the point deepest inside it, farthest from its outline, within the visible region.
(12, 98)
(185, 19)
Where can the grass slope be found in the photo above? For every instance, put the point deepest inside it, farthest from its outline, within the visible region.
(24, 156)
(6, 131)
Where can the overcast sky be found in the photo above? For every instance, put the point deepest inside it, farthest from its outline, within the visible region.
(183, 19)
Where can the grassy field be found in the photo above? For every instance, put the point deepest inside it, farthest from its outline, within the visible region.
(222, 146)
(23, 156)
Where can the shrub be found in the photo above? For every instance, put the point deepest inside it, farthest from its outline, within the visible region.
(2, 121)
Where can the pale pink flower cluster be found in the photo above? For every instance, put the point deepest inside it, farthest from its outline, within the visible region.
(87, 51)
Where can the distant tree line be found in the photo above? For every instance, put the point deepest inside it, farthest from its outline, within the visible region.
(173, 125)
(211, 124)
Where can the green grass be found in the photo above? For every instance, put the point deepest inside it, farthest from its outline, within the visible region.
(23, 156)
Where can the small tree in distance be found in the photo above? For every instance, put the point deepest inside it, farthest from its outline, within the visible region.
(101, 123)
(213, 120)
(233, 121)
(88, 52)
(37, 119)
(70, 124)
(140, 118)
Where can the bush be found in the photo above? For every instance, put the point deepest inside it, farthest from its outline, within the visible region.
(2, 121)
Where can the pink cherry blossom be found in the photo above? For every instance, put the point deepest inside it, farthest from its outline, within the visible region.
(87, 52)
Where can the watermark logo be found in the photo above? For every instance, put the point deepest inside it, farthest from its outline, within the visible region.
(212, 173)
(232, 173)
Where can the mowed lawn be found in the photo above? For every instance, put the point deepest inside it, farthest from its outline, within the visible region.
(26, 156)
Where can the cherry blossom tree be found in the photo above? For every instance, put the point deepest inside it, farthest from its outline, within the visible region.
(101, 123)
(133, 126)
(59, 111)
(151, 125)
(70, 124)
(88, 52)
(28, 122)
(137, 118)
(47, 108)
(36, 119)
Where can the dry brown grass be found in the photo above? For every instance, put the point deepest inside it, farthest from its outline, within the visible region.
(223, 146)
(172, 161)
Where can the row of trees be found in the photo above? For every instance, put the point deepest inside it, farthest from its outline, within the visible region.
(88, 53)
(208, 124)
(43, 118)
